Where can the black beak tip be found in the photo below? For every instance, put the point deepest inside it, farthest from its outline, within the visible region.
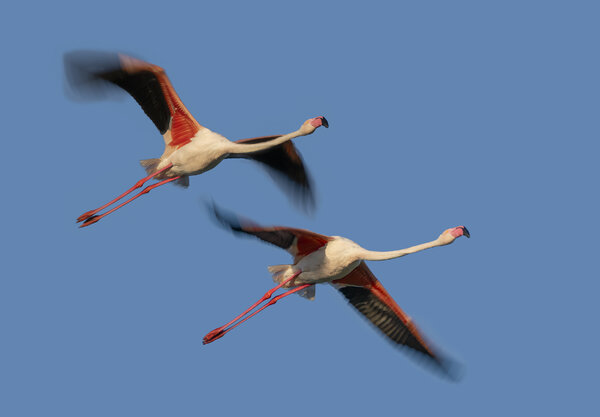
(324, 121)
(466, 232)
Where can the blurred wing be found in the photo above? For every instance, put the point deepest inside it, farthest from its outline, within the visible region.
(286, 161)
(89, 72)
(367, 295)
(298, 242)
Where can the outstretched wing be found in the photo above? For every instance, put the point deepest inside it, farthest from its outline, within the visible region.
(367, 295)
(89, 72)
(298, 242)
(286, 161)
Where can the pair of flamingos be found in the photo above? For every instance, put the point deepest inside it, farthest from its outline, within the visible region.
(192, 149)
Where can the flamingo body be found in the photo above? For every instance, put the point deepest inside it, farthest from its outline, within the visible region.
(330, 262)
(190, 148)
(205, 150)
(340, 262)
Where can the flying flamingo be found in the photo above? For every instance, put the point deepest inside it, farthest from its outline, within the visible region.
(190, 148)
(340, 262)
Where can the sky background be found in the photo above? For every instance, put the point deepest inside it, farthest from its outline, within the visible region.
(483, 114)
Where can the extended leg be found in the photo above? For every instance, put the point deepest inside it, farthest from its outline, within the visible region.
(212, 337)
(95, 218)
(220, 332)
(137, 185)
(268, 294)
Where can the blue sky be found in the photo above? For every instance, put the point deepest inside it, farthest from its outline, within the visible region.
(441, 113)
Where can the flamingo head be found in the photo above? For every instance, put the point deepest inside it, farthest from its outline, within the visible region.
(451, 234)
(311, 125)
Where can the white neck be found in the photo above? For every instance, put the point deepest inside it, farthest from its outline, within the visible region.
(370, 255)
(255, 147)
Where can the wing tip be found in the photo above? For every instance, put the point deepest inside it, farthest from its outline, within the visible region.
(436, 362)
(80, 74)
(227, 218)
(221, 216)
(440, 364)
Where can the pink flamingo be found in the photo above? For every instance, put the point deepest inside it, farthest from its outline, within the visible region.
(340, 262)
(190, 148)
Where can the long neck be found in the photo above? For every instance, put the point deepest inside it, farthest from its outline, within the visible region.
(370, 255)
(255, 147)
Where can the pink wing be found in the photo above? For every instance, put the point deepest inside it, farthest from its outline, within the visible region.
(286, 161)
(367, 295)
(148, 84)
(298, 242)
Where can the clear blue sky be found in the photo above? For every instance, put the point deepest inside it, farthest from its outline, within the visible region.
(441, 113)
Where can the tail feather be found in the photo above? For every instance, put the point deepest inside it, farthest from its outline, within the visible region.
(282, 272)
(184, 181)
(308, 293)
(150, 165)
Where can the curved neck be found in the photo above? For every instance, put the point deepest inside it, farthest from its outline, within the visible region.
(255, 147)
(370, 255)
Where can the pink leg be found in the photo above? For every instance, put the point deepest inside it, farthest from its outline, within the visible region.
(137, 185)
(94, 219)
(267, 295)
(212, 337)
(219, 332)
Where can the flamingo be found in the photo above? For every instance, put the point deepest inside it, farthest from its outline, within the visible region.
(340, 262)
(190, 148)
